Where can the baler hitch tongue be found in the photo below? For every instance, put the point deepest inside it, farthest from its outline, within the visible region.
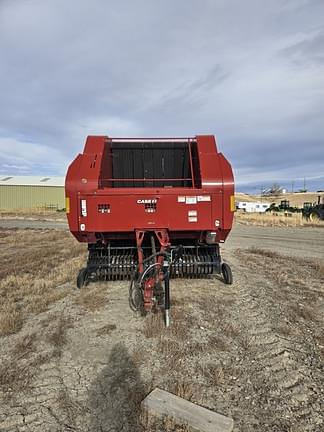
(151, 280)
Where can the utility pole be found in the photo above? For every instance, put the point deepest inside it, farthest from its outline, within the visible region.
(304, 183)
(292, 186)
(261, 193)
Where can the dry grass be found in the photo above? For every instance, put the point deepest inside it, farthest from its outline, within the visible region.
(276, 219)
(35, 267)
(218, 374)
(153, 325)
(231, 330)
(10, 319)
(106, 330)
(218, 343)
(184, 390)
(37, 212)
(296, 284)
(165, 424)
(20, 366)
(313, 267)
(297, 311)
(58, 336)
(92, 297)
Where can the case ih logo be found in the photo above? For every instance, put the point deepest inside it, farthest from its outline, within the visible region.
(147, 201)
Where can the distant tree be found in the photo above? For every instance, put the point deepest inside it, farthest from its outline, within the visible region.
(275, 189)
(302, 190)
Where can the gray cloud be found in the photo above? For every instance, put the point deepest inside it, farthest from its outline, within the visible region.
(250, 72)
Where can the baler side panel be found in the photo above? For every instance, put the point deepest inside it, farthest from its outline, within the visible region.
(72, 182)
(211, 175)
(83, 177)
(228, 194)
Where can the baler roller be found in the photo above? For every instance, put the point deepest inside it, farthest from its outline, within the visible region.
(119, 263)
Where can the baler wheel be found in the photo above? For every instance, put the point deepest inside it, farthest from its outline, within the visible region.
(82, 279)
(227, 274)
(136, 300)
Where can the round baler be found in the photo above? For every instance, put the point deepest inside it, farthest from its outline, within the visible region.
(150, 209)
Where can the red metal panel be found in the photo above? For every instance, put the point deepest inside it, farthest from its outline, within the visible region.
(127, 212)
(228, 194)
(210, 171)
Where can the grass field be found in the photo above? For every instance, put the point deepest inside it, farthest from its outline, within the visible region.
(275, 219)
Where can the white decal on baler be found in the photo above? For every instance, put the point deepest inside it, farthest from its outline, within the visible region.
(181, 199)
(84, 208)
(202, 198)
(192, 213)
(192, 219)
(191, 200)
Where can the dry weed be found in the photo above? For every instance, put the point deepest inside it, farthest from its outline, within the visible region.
(284, 329)
(184, 390)
(92, 298)
(217, 343)
(153, 325)
(165, 424)
(19, 367)
(106, 329)
(263, 252)
(14, 377)
(11, 320)
(215, 374)
(170, 348)
(37, 212)
(35, 264)
(231, 330)
(58, 336)
(297, 311)
(218, 374)
(24, 346)
(275, 219)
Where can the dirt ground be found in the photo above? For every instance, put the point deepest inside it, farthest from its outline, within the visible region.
(82, 361)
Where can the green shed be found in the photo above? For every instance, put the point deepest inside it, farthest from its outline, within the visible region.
(30, 192)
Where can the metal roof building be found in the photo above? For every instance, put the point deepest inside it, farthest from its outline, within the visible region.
(28, 192)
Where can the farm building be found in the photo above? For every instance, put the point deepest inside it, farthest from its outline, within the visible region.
(28, 192)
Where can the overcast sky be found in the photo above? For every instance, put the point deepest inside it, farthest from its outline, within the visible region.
(250, 72)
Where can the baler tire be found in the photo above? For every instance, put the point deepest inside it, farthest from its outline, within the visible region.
(82, 279)
(135, 298)
(227, 274)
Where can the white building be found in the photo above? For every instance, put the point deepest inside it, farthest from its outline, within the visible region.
(252, 207)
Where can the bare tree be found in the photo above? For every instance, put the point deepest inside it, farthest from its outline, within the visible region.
(275, 189)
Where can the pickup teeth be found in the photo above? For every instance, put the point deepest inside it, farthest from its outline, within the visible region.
(120, 264)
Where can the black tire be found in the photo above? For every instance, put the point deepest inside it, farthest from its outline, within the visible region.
(227, 274)
(83, 278)
(314, 216)
(135, 298)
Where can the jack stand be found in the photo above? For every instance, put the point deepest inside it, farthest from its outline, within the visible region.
(167, 292)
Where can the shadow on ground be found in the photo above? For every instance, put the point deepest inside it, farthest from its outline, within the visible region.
(116, 395)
